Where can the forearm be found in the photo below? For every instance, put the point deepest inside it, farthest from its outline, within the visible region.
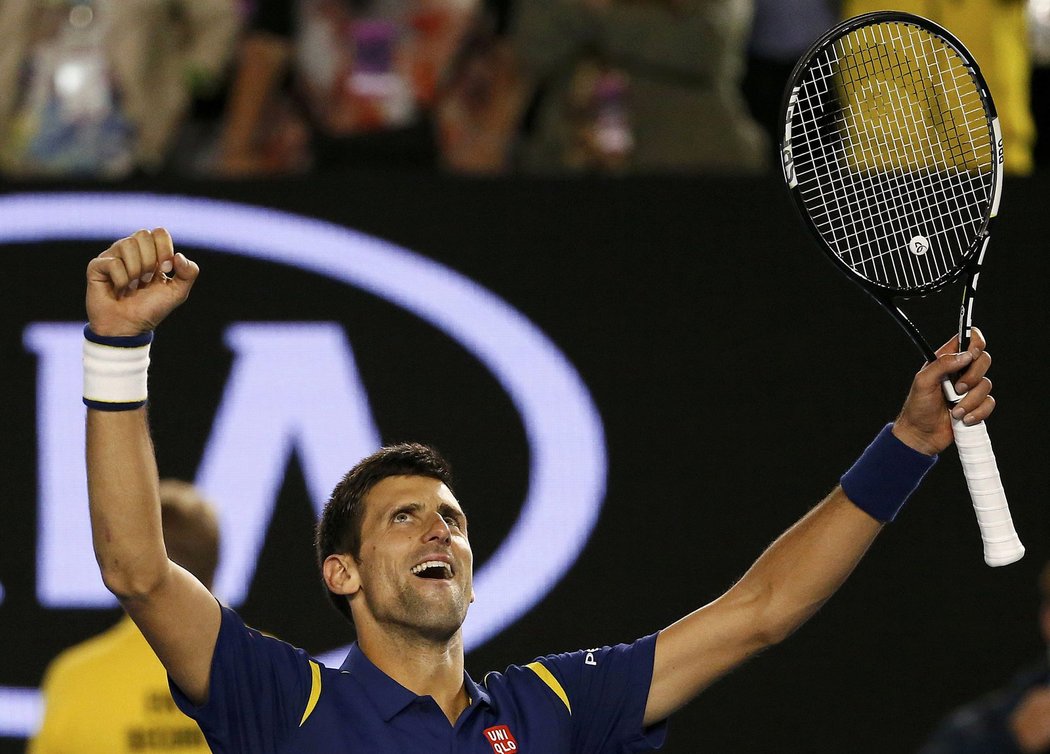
(806, 565)
(792, 578)
(784, 587)
(124, 502)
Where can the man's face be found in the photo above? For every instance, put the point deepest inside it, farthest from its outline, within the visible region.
(415, 567)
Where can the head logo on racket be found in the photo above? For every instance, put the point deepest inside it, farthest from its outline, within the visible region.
(919, 245)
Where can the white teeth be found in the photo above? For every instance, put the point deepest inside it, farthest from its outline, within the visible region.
(432, 564)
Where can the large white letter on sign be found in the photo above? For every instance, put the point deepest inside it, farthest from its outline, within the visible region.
(267, 414)
(66, 572)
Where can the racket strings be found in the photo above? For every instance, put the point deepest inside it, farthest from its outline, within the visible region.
(913, 154)
(876, 198)
(893, 154)
(909, 151)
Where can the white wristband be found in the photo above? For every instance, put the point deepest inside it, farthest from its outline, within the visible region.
(115, 370)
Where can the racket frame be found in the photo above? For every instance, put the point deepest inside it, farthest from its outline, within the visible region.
(973, 258)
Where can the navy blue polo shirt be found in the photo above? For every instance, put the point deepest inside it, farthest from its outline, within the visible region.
(267, 696)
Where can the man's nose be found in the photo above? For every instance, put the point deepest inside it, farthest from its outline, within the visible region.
(439, 529)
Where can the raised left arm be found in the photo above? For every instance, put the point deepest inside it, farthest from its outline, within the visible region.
(805, 565)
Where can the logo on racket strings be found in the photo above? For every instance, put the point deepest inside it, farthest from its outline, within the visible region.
(918, 245)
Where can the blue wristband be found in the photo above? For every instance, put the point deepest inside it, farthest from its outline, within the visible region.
(118, 341)
(885, 475)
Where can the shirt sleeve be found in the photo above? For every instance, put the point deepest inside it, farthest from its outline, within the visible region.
(257, 691)
(607, 689)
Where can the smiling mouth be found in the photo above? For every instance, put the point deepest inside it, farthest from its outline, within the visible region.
(433, 569)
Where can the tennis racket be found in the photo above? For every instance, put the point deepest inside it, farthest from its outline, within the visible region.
(893, 154)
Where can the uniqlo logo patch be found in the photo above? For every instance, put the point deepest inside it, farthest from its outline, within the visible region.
(501, 739)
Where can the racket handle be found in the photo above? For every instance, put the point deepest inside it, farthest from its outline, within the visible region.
(1001, 544)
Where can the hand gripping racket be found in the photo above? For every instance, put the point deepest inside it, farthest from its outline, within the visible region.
(893, 154)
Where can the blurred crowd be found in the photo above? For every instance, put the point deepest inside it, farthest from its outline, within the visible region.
(239, 88)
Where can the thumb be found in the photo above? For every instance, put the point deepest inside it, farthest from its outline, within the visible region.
(185, 272)
(944, 365)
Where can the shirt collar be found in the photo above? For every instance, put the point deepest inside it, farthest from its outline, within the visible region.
(389, 696)
(477, 694)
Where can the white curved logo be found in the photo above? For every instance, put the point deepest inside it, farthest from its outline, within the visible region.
(919, 245)
(567, 450)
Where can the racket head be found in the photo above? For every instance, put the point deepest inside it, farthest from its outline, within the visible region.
(892, 152)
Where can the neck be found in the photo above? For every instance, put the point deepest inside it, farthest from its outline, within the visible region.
(424, 667)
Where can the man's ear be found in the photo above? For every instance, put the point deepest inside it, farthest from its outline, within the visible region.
(341, 574)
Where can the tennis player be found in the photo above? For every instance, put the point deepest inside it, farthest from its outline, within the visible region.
(395, 555)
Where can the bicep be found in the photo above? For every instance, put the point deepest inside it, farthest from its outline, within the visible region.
(180, 619)
(697, 650)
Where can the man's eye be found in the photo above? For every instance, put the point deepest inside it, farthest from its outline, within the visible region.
(452, 521)
(401, 517)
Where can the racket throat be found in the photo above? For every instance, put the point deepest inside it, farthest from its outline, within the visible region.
(908, 326)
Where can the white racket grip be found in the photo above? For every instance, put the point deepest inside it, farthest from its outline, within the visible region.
(1001, 544)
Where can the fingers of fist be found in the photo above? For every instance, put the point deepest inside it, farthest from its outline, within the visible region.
(976, 405)
(136, 261)
(966, 371)
(974, 373)
(977, 343)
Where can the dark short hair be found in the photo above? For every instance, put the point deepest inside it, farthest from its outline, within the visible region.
(339, 530)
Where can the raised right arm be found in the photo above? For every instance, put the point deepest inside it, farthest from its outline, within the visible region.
(131, 288)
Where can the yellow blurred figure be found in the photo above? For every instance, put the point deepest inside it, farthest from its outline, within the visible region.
(109, 694)
(995, 33)
(908, 103)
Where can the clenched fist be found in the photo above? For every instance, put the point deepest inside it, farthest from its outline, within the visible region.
(137, 282)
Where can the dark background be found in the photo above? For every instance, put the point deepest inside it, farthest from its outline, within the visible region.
(737, 376)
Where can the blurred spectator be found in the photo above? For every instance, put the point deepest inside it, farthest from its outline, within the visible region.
(262, 131)
(479, 104)
(637, 85)
(781, 33)
(99, 87)
(109, 695)
(366, 74)
(995, 32)
(1011, 720)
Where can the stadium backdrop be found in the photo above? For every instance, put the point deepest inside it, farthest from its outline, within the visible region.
(726, 401)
